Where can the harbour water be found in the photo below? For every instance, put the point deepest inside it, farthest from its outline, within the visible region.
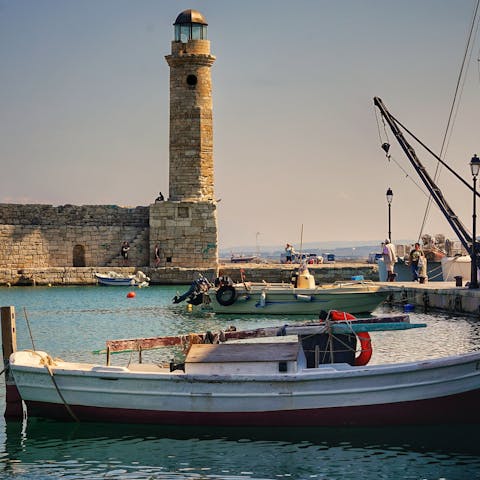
(74, 322)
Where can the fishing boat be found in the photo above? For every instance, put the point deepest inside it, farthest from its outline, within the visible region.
(118, 280)
(293, 379)
(300, 297)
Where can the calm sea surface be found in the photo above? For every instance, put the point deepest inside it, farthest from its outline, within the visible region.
(74, 322)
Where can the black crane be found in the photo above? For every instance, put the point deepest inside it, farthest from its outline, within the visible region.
(462, 233)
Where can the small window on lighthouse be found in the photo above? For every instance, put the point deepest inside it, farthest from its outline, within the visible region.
(192, 80)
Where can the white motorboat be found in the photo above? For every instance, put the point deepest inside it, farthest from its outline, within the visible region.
(115, 279)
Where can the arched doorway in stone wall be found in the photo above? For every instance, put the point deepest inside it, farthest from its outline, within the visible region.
(79, 256)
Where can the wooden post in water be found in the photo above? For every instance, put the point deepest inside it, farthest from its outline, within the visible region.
(13, 401)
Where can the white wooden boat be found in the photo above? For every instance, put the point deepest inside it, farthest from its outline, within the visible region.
(301, 297)
(262, 384)
(115, 279)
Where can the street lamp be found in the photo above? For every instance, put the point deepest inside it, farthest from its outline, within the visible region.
(389, 201)
(475, 168)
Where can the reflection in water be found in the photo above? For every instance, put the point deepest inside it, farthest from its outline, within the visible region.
(443, 336)
(85, 317)
(47, 448)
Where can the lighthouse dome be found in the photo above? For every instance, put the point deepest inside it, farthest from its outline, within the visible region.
(190, 25)
(190, 16)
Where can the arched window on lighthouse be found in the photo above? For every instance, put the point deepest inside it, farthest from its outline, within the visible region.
(190, 25)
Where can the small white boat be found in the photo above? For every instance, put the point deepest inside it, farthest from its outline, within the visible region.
(115, 279)
(301, 297)
(244, 259)
(253, 384)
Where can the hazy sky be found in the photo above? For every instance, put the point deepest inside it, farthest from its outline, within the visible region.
(84, 101)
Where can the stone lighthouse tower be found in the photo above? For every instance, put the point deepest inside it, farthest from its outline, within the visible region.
(185, 226)
(191, 116)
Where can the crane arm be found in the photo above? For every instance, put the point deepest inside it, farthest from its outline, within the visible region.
(462, 233)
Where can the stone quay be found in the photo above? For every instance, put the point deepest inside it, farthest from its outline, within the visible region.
(163, 275)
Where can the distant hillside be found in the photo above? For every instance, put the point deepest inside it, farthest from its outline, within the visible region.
(341, 249)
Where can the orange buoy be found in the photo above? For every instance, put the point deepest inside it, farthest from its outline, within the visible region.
(131, 295)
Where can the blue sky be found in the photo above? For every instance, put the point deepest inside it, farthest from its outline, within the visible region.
(84, 102)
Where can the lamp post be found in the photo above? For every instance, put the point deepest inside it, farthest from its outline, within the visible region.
(389, 201)
(475, 168)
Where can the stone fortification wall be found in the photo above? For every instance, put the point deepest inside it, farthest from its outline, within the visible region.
(64, 276)
(37, 214)
(186, 233)
(323, 273)
(35, 236)
(183, 276)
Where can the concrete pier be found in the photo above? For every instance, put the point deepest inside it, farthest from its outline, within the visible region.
(439, 296)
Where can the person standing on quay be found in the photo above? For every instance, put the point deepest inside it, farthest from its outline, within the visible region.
(414, 258)
(390, 258)
(156, 254)
(289, 251)
(124, 252)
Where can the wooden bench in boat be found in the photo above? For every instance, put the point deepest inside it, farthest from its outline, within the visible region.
(234, 358)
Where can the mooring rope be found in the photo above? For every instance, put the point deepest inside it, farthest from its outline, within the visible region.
(67, 406)
(46, 363)
(29, 329)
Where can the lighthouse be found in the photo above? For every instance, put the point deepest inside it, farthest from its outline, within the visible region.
(191, 110)
(185, 225)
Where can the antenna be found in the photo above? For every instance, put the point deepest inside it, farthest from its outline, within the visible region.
(301, 242)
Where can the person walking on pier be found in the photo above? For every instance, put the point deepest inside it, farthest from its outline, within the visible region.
(390, 258)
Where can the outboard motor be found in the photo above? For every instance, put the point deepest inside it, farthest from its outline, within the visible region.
(187, 294)
(195, 293)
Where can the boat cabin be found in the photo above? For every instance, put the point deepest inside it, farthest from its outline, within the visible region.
(245, 358)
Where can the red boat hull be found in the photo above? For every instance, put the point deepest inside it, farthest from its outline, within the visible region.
(459, 408)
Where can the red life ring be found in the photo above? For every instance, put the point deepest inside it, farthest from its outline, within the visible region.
(364, 338)
(366, 349)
